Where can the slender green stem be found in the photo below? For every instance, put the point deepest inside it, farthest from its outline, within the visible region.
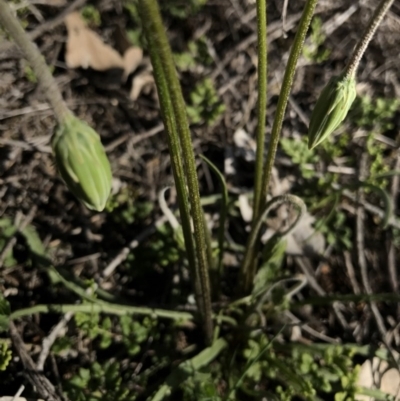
(217, 271)
(285, 92)
(154, 27)
(11, 24)
(262, 102)
(250, 259)
(113, 309)
(373, 23)
(168, 117)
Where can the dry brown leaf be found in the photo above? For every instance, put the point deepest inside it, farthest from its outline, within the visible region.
(143, 82)
(132, 59)
(86, 49)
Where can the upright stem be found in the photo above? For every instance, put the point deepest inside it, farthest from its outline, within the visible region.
(154, 26)
(262, 102)
(168, 117)
(11, 24)
(294, 55)
(373, 23)
(248, 268)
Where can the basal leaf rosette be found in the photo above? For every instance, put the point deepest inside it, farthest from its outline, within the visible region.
(82, 162)
(331, 108)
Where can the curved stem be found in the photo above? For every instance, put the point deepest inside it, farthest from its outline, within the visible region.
(373, 23)
(152, 20)
(249, 261)
(262, 101)
(11, 24)
(248, 268)
(104, 307)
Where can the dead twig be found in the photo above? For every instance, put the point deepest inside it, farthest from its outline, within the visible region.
(41, 384)
(363, 263)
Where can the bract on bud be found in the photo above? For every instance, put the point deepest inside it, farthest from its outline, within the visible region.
(82, 162)
(331, 108)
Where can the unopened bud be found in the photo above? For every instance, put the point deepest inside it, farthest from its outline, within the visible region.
(331, 108)
(82, 162)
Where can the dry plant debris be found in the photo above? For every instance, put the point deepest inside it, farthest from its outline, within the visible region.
(86, 49)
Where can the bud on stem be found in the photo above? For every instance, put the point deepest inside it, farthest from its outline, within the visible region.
(82, 162)
(331, 108)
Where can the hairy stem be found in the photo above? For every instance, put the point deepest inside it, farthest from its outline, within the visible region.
(262, 102)
(248, 267)
(167, 114)
(373, 23)
(285, 92)
(11, 24)
(154, 27)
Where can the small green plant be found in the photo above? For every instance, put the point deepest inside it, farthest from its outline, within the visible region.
(197, 54)
(375, 114)
(183, 10)
(204, 106)
(314, 50)
(125, 208)
(95, 328)
(136, 332)
(300, 155)
(5, 354)
(91, 15)
(99, 382)
(337, 231)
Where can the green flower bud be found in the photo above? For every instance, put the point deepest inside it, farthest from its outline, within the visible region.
(331, 109)
(82, 162)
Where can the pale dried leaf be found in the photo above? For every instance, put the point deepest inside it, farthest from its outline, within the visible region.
(245, 145)
(132, 59)
(378, 375)
(229, 161)
(245, 208)
(85, 48)
(304, 239)
(143, 82)
(5, 398)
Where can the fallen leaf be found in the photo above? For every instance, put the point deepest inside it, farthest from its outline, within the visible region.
(246, 146)
(132, 59)
(13, 398)
(304, 239)
(143, 82)
(376, 374)
(245, 208)
(85, 48)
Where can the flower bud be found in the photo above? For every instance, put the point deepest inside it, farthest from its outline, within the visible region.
(82, 162)
(331, 109)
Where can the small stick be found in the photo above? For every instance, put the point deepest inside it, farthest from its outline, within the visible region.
(42, 385)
